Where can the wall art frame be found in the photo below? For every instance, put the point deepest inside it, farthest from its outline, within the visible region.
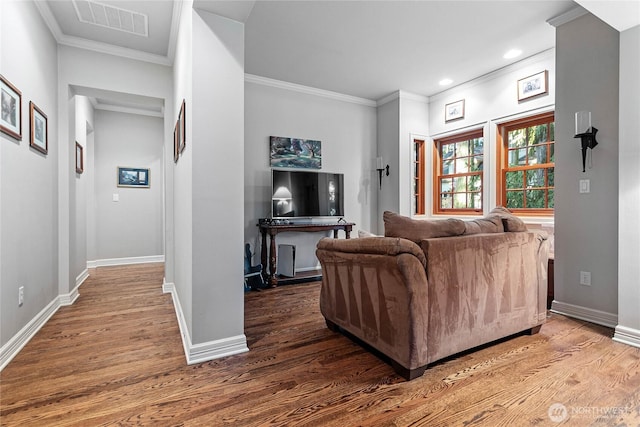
(454, 111)
(11, 109)
(534, 85)
(133, 177)
(79, 158)
(38, 129)
(182, 119)
(176, 142)
(295, 153)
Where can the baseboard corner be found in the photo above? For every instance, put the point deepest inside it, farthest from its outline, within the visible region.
(625, 335)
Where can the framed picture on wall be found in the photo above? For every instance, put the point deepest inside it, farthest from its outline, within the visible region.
(176, 142)
(454, 111)
(295, 153)
(133, 177)
(39, 129)
(183, 126)
(79, 158)
(533, 85)
(11, 112)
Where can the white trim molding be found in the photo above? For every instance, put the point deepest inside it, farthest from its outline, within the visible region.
(19, 340)
(82, 277)
(584, 313)
(125, 261)
(265, 81)
(203, 352)
(568, 16)
(627, 336)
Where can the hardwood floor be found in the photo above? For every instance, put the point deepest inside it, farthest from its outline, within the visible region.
(115, 358)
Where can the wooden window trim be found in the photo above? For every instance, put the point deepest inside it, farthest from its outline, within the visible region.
(420, 176)
(502, 161)
(437, 171)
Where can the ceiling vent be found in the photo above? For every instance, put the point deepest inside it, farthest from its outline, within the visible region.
(104, 15)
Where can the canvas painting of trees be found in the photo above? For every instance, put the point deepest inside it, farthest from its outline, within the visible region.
(295, 153)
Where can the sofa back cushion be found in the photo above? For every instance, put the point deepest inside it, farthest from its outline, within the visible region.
(509, 220)
(487, 224)
(396, 225)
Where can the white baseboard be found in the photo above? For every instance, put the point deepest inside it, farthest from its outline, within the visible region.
(305, 269)
(203, 352)
(82, 277)
(19, 340)
(583, 313)
(627, 336)
(125, 261)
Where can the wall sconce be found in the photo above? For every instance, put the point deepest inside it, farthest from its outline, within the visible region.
(381, 168)
(586, 133)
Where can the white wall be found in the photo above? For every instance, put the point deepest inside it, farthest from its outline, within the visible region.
(414, 121)
(217, 150)
(28, 179)
(586, 225)
(82, 190)
(489, 101)
(131, 227)
(347, 131)
(629, 187)
(388, 132)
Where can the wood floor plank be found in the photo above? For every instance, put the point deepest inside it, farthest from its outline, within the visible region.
(115, 357)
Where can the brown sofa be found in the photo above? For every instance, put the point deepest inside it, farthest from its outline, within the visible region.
(418, 299)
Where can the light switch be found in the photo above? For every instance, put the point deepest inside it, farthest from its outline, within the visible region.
(116, 197)
(585, 186)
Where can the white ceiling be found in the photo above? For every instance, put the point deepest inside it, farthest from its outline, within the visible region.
(363, 48)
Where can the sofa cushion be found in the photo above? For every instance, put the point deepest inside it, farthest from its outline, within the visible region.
(365, 233)
(488, 224)
(509, 220)
(396, 225)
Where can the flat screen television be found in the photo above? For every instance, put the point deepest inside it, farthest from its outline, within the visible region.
(306, 194)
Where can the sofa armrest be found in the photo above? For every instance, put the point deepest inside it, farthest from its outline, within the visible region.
(376, 289)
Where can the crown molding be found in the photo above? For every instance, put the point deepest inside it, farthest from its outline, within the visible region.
(541, 56)
(568, 16)
(173, 34)
(402, 94)
(109, 49)
(265, 81)
(128, 110)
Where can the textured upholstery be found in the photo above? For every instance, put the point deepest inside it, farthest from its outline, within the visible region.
(420, 303)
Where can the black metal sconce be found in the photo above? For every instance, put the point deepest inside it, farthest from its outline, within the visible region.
(381, 169)
(586, 133)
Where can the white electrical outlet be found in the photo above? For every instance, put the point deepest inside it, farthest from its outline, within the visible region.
(585, 186)
(585, 278)
(20, 296)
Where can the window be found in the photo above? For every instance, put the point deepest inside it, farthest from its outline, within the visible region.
(457, 169)
(418, 176)
(526, 165)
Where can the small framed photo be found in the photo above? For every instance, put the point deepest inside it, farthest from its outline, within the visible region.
(183, 126)
(79, 158)
(176, 142)
(454, 111)
(133, 177)
(534, 85)
(39, 127)
(11, 112)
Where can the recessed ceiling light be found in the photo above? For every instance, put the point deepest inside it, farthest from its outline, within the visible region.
(445, 82)
(512, 54)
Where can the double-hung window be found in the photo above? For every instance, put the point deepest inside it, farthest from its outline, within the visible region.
(526, 157)
(458, 169)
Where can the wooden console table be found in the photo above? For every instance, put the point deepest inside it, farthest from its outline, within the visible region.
(273, 229)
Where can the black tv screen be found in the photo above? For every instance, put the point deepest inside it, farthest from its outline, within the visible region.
(304, 194)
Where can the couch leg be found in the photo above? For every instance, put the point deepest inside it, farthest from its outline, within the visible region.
(408, 374)
(332, 326)
(534, 330)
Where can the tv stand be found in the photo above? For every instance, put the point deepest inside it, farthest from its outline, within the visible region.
(273, 229)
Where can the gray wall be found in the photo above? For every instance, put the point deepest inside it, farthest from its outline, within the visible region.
(586, 225)
(28, 179)
(131, 227)
(388, 132)
(347, 131)
(217, 150)
(629, 179)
